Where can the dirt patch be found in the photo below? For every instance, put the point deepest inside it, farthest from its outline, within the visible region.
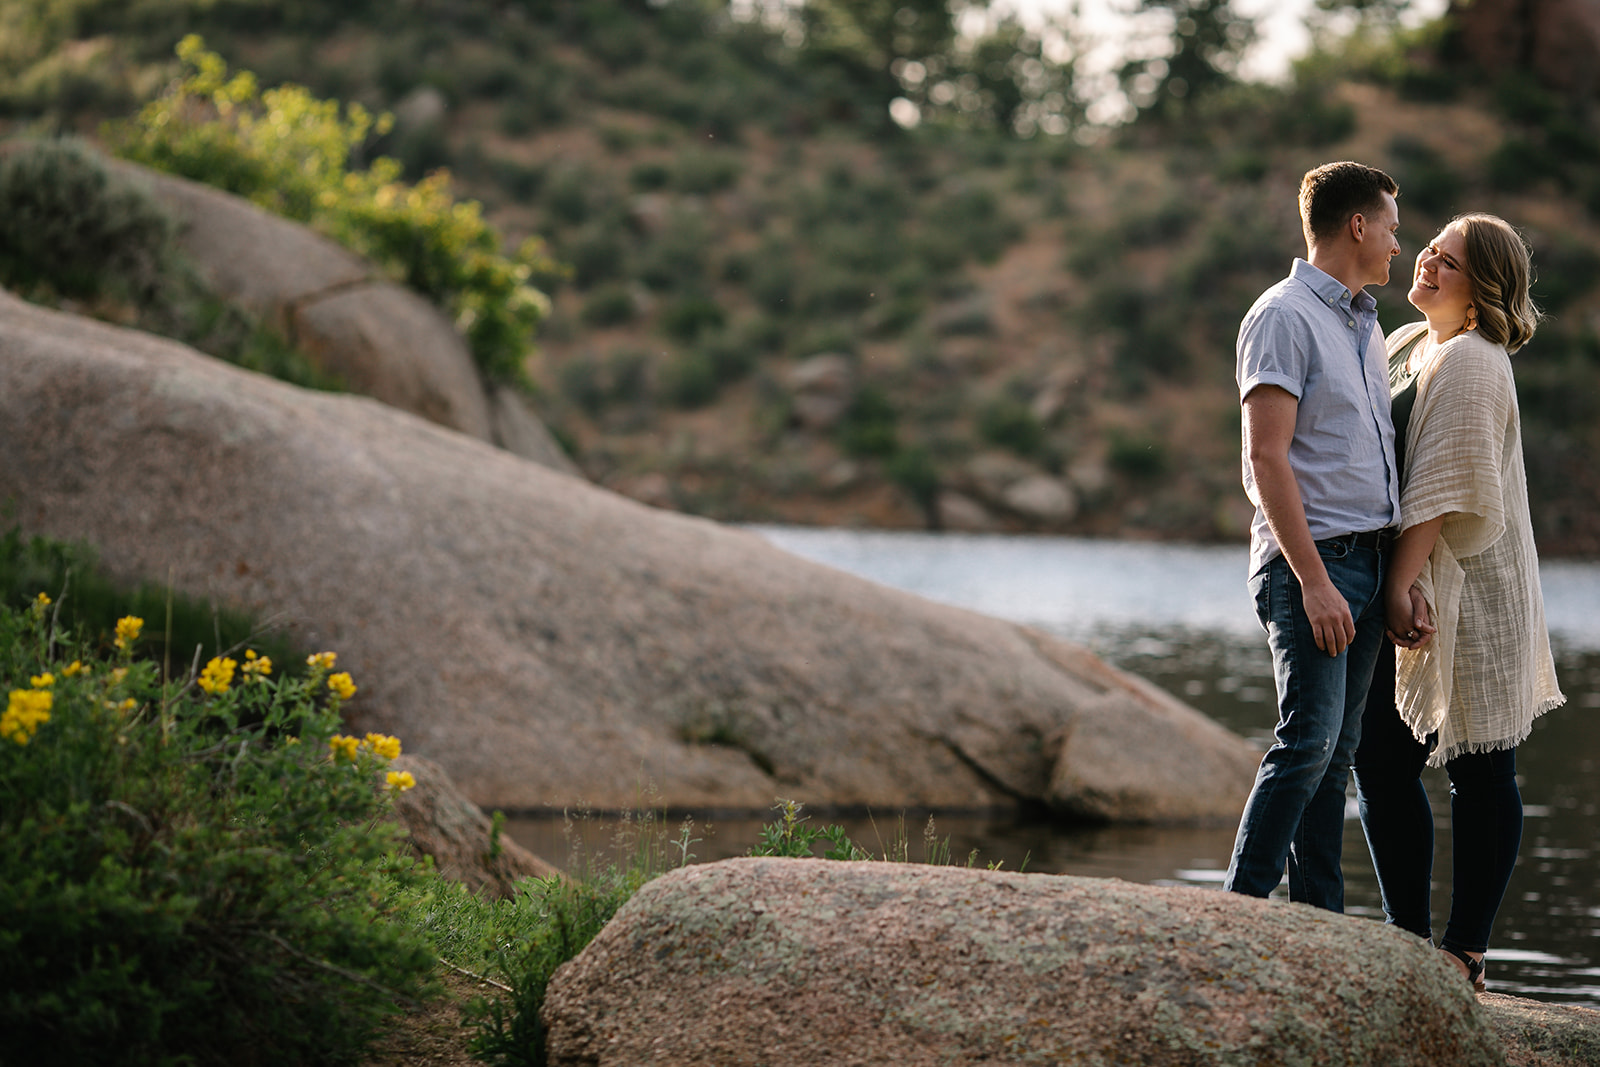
(432, 1034)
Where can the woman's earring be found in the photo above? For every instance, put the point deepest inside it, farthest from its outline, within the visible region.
(1472, 318)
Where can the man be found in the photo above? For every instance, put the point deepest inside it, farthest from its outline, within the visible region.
(1319, 466)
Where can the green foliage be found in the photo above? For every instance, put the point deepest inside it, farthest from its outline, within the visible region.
(289, 152)
(70, 226)
(609, 305)
(1011, 424)
(914, 470)
(690, 380)
(550, 921)
(89, 602)
(869, 427)
(1137, 455)
(190, 873)
(790, 837)
(1208, 38)
(559, 918)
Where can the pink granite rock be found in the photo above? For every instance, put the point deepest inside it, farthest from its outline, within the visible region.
(550, 643)
(791, 963)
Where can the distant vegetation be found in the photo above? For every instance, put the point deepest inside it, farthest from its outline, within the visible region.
(730, 196)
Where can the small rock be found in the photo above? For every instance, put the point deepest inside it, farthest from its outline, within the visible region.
(1041, 499)
(422, 107)
(961, 513)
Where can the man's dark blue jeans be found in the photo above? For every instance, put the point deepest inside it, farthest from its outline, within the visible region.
(1296, 808)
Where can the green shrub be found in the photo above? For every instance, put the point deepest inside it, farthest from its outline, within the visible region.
(69, 224)
(290, 153)
(688, 317)
(914, 470)
(690, 381)
(869, 427)
(649, 176)
(1011, 424)
(609, 305)
(189, 873)
(1137, 455)
(699, 172)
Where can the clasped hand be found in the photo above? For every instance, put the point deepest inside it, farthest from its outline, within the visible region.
(1408, 618)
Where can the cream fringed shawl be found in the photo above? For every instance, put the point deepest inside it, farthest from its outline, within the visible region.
(1488, 672)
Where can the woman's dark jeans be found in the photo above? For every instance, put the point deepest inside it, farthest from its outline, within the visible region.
(1485, 822)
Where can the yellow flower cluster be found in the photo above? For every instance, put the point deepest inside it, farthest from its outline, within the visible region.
(321, 661)
(399, 781)
(256, 668)
(73, 669)
(342, 685)
(26, 711)
(40, 602)
(218, 675)
(128, 628)
(42, 681)
(344, 747)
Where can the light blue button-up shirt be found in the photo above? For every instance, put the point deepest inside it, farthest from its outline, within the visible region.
(1308, 336)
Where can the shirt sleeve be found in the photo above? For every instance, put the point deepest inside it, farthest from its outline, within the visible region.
(1274, 349)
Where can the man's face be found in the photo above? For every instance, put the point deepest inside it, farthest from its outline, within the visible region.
(1379, 243)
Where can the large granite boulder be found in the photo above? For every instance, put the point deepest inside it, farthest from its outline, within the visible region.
(440, 822)
(379, 338)
(550, 643)
(799, 962)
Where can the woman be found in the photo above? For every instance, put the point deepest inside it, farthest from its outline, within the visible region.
(1470, 666)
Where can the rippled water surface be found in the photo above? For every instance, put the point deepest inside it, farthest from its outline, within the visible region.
(1179, 615)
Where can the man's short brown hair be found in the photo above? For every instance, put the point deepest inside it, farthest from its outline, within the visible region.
(1332, 193)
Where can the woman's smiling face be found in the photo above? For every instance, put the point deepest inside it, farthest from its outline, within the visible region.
(1439, 286)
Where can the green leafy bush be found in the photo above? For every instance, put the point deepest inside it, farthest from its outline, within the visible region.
(70, 225)
(289, 152)
(190, 873)
(1011, 424)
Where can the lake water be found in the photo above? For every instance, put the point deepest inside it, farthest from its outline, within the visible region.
(1179, 616)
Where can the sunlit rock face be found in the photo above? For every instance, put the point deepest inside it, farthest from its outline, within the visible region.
(550, 643)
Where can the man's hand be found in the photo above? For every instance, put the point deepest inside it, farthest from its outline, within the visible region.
(1329, 614)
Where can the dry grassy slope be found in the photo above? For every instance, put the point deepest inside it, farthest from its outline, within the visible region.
(731, 461)
(738, 460)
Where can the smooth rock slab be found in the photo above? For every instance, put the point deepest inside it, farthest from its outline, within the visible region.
(792, 963)
(550, 643)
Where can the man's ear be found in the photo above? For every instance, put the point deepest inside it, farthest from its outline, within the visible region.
(1357, 226)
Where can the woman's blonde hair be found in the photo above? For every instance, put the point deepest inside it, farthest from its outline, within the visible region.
(1500, 271)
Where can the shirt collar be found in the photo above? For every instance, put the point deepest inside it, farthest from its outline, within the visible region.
(1330, 290)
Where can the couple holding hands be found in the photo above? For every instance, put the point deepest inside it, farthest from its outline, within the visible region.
(1392, 559)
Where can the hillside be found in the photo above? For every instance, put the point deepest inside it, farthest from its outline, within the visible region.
(1026, 333)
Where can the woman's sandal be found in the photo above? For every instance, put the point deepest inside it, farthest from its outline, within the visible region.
(1474, 969)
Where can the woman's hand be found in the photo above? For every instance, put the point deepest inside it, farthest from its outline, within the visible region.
(1409, 620)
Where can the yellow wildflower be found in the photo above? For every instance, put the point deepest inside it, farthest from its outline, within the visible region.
(128, 628)
(218, 675)
(343, 747)
(399, 781)
(116, 676)
(321, 661)
(73, 669)
(256, 668)
(384, 745)
(40, 602)
(43, 681)
(26, 710)
(342, 685)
